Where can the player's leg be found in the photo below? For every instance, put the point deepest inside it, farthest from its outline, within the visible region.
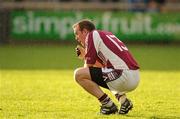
(126, 104)
(121, 97)
(83, 77)
(127, 82)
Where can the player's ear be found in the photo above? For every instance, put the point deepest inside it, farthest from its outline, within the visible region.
(85, 31)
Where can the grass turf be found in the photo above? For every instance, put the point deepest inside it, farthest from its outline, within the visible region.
(37, 82)
(150, 57)
(53, 94)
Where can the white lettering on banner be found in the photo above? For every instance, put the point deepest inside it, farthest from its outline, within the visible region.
(32, 23)
(19, 25)
(139, 23)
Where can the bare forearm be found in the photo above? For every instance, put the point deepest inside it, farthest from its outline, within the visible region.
(97, 64)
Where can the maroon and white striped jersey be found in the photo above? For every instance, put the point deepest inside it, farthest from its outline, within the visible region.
(108, 50)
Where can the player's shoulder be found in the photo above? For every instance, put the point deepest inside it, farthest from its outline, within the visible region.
(104, 33)
(100, 32)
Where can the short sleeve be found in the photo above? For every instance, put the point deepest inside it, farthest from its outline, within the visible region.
(91, 53)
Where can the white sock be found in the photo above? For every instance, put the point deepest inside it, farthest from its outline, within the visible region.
(122, 99)
(107, 102)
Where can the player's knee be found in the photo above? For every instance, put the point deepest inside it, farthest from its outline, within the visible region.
(81, 74)
(77, 75)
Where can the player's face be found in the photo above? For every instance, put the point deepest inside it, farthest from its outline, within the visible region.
(80, 36)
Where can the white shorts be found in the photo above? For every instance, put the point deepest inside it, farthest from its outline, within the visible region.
(127, 82)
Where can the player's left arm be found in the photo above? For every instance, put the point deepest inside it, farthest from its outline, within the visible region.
(97, 64)
(80, 52)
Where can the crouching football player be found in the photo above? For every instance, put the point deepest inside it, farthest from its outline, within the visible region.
(108, 63)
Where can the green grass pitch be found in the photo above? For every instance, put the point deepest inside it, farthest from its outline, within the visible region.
(36, 82)
(53, 94)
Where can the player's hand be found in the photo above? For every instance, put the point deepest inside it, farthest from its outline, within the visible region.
(80, 52)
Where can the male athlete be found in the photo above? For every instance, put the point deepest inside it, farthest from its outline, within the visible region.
(108, 64)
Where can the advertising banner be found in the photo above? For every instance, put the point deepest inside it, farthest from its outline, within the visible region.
(57, 25)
